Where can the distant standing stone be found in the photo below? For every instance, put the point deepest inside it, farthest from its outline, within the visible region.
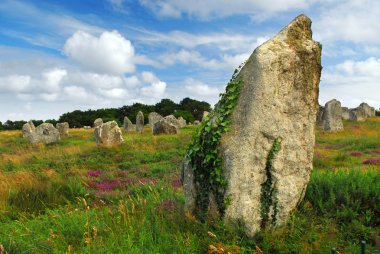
(321, 109)
(153, 118)
(182, 122)
(98, 122)
(45, 134)
(140, 122)
(368, 110)
(196, 122)
(108, 134)
(332, 117)
(166, 125)
(28, 128)
(63, 128)
(128, 126)
(86, 127)
(345, 113)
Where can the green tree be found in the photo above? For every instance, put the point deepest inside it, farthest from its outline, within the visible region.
(195, 107)
(166, 107)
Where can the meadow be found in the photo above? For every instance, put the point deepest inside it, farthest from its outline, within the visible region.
(73, 197)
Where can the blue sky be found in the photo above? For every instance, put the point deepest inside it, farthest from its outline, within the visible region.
(57, 56)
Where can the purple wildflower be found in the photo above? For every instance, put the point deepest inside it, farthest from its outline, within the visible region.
(356, 153)
(372, 161)
(94, 173)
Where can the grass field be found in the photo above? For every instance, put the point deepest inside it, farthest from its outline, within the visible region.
(73, 197)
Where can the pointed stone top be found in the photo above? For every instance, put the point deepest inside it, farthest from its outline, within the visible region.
(298, 29)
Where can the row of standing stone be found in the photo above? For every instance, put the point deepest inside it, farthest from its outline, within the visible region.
(331, 115)
(45, 133)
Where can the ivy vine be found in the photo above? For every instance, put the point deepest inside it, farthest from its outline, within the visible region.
(203, 150)
(269, 190)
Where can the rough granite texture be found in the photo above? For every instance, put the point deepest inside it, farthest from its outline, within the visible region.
(181, 122)
(345, 113)
(167, 125)
(45, 134)
(63, 128)
(321, 109)
(98, 122)
(332, 117)
(127, 125)
(27, 129)
(140, 122)
(153, 118)
(108, 134)
(278, 100)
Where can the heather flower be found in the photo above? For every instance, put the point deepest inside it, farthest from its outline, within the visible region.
(356, 153)
(372, 161)
(94, 173)
(176, 182)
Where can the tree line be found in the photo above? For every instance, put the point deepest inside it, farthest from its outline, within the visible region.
(189, 109)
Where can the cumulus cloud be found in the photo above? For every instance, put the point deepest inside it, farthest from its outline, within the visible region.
(352, 20)
(52, 79)
(76, 92)
(352, 82)
(109, 53)
(14, 83)
(221, 8)
(155, 90)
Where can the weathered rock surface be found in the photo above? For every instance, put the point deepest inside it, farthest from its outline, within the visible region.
(368, 110)
(28, 128)
(345, 113)
(127, 125)
(98, 122)
(44, 134)
(153, 118)
(63, 128)
(140, 122)
(332, 117)
(108, 134)
(278, 102)
(181, 122)
(196, 122)
(166, 125)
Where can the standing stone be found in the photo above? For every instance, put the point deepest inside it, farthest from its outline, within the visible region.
(166, 126)
(86, 127)
(357, 114)
(181, 122)
(153, 118)
(205, 114)
(275, 114)
(140, 122)
(98, 122)
(128, 126)
(321, 109)
(63, 128)
(196, 122)
(368, 110)
(45, 134)
(345, 113)
(108, 134)
(27, 129)
(332, 117)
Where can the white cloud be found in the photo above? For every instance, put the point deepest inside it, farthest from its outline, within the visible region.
(155, 90)
(352, 82)
(109, 53)
(52, 79)
(350, 20)
(75, 92)
(221, 8)
(49, 97)
(14, 83)
(90, 79)
(114, 93)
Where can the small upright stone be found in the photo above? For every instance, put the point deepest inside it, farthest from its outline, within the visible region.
(196, 122)
(140, 122)
(98, 122)
(166, 125)
(63, 128)
(332, 117)
(128, 126)
(181, 122)
(345, 113)
(108, 134)
(153, 118)
(368, 110)
(321, 109)
(45, 134)
(28, 128)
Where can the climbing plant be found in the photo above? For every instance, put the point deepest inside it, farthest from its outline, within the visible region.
(203, 151)
(269, 189)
